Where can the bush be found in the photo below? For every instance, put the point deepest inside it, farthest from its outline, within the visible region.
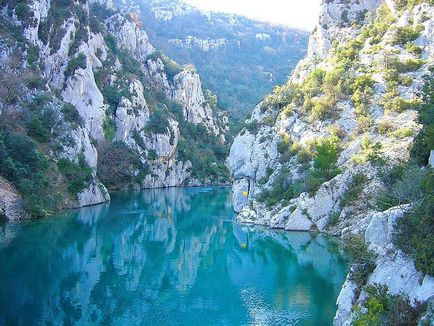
(424, 141)
(37, 129)
(324, 163)
(354, 190)
(74, 64)
(413, 48)
(78, 175)
(170, 66)
(117, 166)
(23, 165)
(72, 115)
(32, 54)
(24, 13)
(406, 34)
(382, 308)
(252, 127)
(399, 105)
(158, 122)
(403, 185)
(283, 189)
(408, 65)
(323, 109)
(369, 152)
(109, 129)
(414, 233)
(362, 260)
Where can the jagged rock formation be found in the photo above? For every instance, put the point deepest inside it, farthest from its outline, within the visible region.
(313, 153)
(106, 90)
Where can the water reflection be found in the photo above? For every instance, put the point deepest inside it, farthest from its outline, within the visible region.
(165, 257)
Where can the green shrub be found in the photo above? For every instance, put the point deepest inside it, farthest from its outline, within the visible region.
(424, 141)
(399, 104)
(408, 65)
(117, 166)
(78, 175)
(402, 132)
(362, 260)
(32, 54)
(252, 127)
(74, 64)
(369, 152)
(24, 13)
(72, 115)
(158, 122)
(323, 109)
(326, 156)
(282, 95)
(37, 130)
(283, 189)
(414, 233)
(406, 34)
(170, 66)
(403, 185)
(354, 190)
(23, 165)
(109, 128)
(383, 308)
(413, 48)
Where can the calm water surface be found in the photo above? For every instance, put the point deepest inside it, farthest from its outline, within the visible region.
(165, 257)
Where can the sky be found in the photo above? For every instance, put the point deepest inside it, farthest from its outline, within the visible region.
(301, 14)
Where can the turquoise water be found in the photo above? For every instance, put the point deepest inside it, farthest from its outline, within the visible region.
(165, 257)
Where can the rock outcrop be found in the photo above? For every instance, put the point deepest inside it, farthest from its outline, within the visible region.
(11, 203)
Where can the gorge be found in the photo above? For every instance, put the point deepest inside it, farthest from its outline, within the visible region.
(339, 158)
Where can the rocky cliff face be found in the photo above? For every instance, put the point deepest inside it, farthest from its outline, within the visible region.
(313, 153)
(107, 92)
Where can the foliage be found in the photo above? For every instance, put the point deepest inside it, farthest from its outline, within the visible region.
(205, 152)
(408, 65)
(324, 164)
(380, 25)
(424, 141)
(354, 190)
(362, 260)
(399, 104)
(252, 126)
(72, 115)
(414, 233)
(403, 185)
(24, 13)
(109, 129)
(22, 164)
(283, 189)
(406, 34)
(158, 121)
(119, 166)
(369, 152)
(171, 67)
(78, 62)
(78, 174)
(32, 54)
(383, 308)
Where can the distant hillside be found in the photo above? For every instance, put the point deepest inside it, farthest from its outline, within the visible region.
(239, 59)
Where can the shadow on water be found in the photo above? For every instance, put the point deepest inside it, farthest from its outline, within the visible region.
(165, 257)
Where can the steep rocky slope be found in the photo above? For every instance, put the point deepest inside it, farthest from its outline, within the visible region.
(239, 59)
(330, 149)
(87, 104)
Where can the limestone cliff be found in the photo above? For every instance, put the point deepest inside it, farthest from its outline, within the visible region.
(99, 103)
(314, 153)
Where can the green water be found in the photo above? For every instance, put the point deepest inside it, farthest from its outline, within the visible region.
(165, 257)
